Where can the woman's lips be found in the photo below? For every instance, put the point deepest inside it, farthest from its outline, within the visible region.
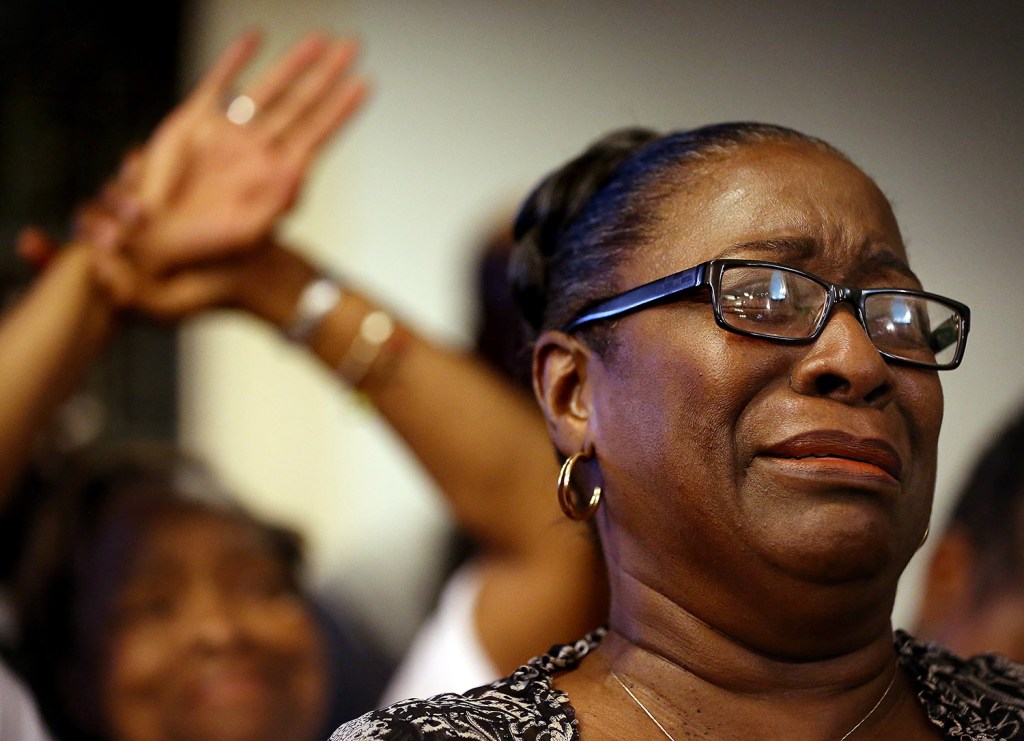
(232, 687)
(841, 451)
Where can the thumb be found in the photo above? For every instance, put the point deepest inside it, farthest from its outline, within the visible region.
(116, 276)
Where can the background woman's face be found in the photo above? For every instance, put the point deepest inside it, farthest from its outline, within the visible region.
(210, 640)
(706, 500)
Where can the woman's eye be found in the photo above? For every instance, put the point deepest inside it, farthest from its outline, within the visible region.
(257, 583)
(904, 324)
(759, 308)
(261, 587)
(147, 608)
(899, 334)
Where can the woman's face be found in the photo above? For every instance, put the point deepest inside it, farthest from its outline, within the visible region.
(210, 640)
(737, 470)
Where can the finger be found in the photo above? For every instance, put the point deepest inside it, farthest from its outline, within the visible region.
(335, 111)
(36, 247)
(95, 224)
(132, 167)
(115, 275)
(121, 203)
(307, 93)
(284, 72)
(216, 83)
(84, 218)
(165, 160)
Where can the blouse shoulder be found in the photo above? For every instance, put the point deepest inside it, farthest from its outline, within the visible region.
(523, 705)
(979, 698)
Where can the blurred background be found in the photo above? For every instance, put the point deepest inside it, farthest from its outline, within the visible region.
(472, 103)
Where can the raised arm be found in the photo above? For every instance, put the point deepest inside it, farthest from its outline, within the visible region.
(48, 340)
(247, 177)
(485, 444)
(478, 435)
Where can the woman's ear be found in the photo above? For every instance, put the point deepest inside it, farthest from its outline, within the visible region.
(560, 382)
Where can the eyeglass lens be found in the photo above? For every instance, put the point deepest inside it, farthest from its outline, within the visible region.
(913, 327)
(772, 302)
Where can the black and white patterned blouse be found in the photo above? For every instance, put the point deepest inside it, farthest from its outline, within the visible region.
(980, 699)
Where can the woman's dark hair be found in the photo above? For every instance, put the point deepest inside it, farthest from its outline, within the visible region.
(990, 510)
(500, 337)
(579, 222)
(99, 506)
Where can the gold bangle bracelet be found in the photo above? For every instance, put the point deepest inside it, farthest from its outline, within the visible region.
(375, 330)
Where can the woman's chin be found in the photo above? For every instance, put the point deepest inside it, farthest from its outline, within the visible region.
(844, 544)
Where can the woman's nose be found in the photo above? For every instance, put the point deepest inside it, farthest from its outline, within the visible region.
(211, 622)
(843, 364)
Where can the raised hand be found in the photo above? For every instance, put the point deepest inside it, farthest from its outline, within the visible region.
(204, 187)
(167, 296)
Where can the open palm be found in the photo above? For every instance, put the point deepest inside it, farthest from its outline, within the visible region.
(204, 187)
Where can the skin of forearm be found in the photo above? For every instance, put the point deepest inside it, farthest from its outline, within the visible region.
(48, 341)
(567, 572)
(479, 438)
(269, 283)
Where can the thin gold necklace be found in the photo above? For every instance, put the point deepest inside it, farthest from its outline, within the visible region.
(669, 736)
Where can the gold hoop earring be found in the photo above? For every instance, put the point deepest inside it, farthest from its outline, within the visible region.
(924, 538)
(566, 495)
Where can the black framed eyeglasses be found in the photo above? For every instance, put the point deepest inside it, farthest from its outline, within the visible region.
(780, 303)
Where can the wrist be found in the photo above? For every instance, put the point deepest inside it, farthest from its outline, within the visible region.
(71, 275)
(272, 283)
(362, 343)
(74, 266)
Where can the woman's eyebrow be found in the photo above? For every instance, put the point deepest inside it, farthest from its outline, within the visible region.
(792, 248)
(872, 256)
(876, 257)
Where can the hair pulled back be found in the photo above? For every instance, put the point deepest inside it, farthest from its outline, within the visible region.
(581, 221)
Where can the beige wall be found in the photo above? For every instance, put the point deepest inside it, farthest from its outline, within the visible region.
(474, 101)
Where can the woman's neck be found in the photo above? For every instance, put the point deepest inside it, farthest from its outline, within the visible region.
(646, 621)
(692, 676)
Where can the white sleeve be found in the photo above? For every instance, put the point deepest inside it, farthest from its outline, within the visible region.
(19, 718)
(446, 654)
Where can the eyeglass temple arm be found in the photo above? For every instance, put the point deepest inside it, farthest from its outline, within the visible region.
(641, 297)
(946, 334)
